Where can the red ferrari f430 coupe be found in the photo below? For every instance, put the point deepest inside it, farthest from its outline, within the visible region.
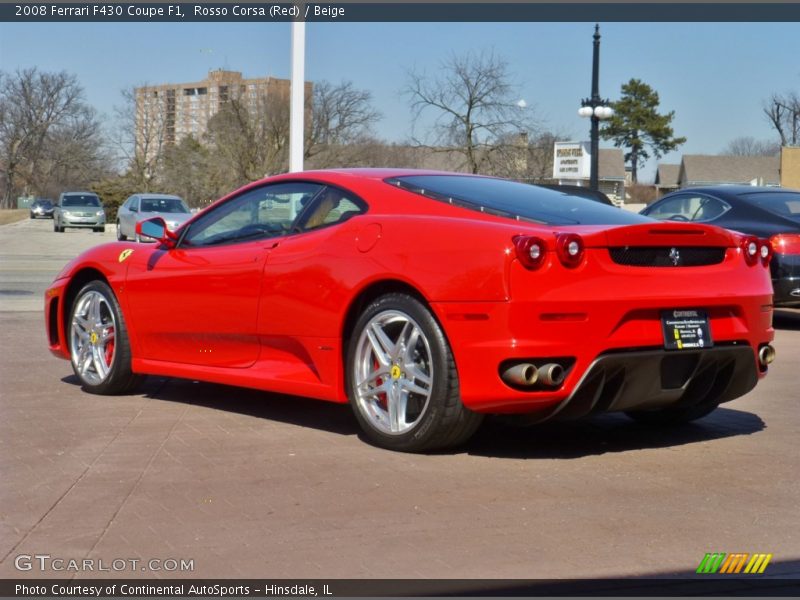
(425, 300)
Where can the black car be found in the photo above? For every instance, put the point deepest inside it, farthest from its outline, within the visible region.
(42, 207)
(766, 212)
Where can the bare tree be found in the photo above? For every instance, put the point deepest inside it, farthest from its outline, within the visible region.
(140, 135)
(341, 124)
(475, 109)
(46, 129)
(749, 146)
(783, 113)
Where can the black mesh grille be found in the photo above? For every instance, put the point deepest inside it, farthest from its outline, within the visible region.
(667, 256)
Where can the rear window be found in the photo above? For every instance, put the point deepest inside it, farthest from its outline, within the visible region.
(514, 200)
(785, 204)
(80, 200)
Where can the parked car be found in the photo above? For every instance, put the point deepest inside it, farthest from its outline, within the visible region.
(42, 207)
(425, 300)
(79, 209)
(144, 206)
(766, 212)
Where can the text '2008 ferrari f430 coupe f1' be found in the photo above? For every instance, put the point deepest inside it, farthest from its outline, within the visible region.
(426, 300)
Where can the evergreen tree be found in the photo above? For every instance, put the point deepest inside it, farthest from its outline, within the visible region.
(637, 125)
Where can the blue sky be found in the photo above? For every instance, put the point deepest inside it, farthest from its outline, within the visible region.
(713, 75)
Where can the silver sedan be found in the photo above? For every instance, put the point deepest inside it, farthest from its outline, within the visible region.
(145, 206)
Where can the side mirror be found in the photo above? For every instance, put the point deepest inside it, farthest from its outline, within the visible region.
(156, 228)
(133, 209)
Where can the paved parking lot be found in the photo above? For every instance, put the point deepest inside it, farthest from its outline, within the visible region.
(248, 484)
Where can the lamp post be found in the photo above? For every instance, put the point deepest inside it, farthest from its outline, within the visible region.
(595, 108)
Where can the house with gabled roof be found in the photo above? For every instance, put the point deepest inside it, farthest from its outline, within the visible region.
(699, 169)
(667, 178)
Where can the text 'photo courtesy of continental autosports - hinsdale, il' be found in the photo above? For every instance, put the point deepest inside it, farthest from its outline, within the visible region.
(426, 300)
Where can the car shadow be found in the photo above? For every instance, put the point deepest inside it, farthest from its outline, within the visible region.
(601, 434)
(786, 319)
(566, 440)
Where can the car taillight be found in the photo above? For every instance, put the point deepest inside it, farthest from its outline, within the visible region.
(750, 249)
(530, 251)
(785, 243)
(765, 251)
(570, 249)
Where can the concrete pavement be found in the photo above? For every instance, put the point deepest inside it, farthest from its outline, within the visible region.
(249, 484)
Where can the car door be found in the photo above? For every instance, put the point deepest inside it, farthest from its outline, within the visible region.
(198, 303)
(300, 282)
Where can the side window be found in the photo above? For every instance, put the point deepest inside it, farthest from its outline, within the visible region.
(678, 208)
(689, 207)
(332, 206)
(263, 212)
(710, 209)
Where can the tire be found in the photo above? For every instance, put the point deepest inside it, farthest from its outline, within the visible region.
(32, 216)
(99, 229)
(420, 380)
(120, 237)
(100, 351)
(671, 417)
(56, 228)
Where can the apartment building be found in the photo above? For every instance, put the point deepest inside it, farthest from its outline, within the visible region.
(167, 113)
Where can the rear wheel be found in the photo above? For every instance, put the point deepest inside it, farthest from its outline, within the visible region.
(98, 342)
(402, 379)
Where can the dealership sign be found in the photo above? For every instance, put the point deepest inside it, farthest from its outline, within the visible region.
(571, 160)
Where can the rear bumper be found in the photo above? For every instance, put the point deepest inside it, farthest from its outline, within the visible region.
(625, 343)
(785, 269)
(652, 379)
(787, 291)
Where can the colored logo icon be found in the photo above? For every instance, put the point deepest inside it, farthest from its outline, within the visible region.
(737, 563)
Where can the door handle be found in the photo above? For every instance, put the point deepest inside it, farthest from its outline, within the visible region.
(270, 247)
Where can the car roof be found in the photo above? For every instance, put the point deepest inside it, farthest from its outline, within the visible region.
(149, 196)
(382, 173)
(734, 190)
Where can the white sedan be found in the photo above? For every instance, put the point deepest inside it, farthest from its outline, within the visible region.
(145, 206)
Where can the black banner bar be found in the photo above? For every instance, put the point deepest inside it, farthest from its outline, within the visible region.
(69, 12)
(706, 585)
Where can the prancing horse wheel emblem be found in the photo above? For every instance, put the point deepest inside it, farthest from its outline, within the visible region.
(674, 256)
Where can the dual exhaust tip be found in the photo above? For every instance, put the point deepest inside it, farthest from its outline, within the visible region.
(528, 375)
(766, 354)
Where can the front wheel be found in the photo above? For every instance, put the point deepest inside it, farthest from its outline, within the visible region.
(402, 379)
(98, 342)
(120, 236)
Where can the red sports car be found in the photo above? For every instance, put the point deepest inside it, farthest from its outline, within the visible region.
(425, 300)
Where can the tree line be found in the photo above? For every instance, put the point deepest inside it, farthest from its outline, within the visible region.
(467, 115)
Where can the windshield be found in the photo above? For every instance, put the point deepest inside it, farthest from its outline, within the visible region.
(163, 205)
(785, 204)
(514, 200)
(80, 200)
